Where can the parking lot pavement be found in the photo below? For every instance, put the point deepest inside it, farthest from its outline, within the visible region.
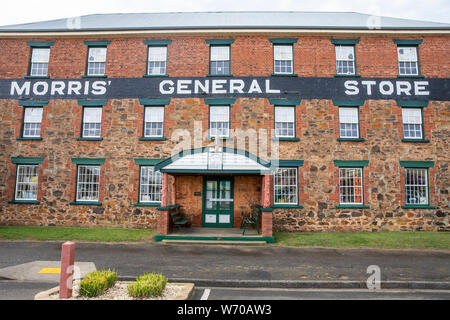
(22, 290)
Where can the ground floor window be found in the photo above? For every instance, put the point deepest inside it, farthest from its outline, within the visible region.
(88, 183)
(416, 186)
(285, 186)
(150, 185)
(26, 182)
(350, 186)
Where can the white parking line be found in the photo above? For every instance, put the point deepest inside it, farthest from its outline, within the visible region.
(205, 294)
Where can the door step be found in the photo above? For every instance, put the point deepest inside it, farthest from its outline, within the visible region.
(217, 242)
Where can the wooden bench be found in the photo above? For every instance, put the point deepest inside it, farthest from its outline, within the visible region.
(178, 219)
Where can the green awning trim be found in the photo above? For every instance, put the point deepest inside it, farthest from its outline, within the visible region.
(417, 164)
(412, 104)
(285, 102)
(98, 43)
(220, 102)
(283, 40)
(154, 102)
(147, 162)
(23, 160)
(344, 42)
(88, 161)
(92, 103)
(159, 42)
(351, 163)
(219, 42)
(348, 103)
(33, 103)
(287, 163)
(40, 44)
(407, 42)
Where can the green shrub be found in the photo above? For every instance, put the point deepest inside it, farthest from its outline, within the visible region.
(148, 285)
(97, 282)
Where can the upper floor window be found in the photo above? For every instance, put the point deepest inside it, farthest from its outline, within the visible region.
(154, 122)
(345, 60)
(408, 64)
(348, 122)
(32, 119)
(285, 122)
(40, 58)
(412, 123)
(219, 121)
(157, 60)
(92, 122)
(96, 61)
(283, 59)
(219, 60)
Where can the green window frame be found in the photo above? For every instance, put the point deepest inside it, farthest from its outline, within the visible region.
(403, 44)
(351, 183)
(286, 168)
(416, 184)
(94, 65)
(279, 103)
(418, 107)
(88, 174)
(38, 66)
(286, 125)
(344, 63)
(26, 181)
(283, 43)
(220, 124)
(28, 105)
(155, 45)
(215, 65)
(153, 103)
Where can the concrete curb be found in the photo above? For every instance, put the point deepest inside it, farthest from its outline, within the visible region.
(319, 284)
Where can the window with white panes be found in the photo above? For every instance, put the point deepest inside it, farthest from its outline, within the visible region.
(39, 61)
(285, 186)
(350, 186)
(88, 183)
(154, 122)
(219, 60)
(283, 59)
(412, 123)
(407, 61)
(150, 185)
(345, 60)
(219, 121)
(348, 122)
(96, 61)
(92, 122)
(416, 186)
(32, 120)
(285, 122)
(26, 182)
(157, 60)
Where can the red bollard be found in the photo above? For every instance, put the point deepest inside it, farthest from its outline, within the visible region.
(67, 267)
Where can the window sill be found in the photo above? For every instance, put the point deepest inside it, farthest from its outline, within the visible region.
(94, 76)
(347, 75)
(152, 138)
(154, 75)
(416, 140)
(85, 203)
(217, 138)
(410, 76)
(24, 202)
(417, 206)
(287, 206)
(219, 75)
(163, 208)
(143, 204)
(285, 139)
(284, 75)
(30, 138)
(89, 139)
(36, 77)
(351, 139)
(352, 206)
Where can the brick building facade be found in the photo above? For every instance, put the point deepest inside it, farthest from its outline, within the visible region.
(338, 128)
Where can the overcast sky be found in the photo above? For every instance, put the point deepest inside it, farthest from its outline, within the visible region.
(23, 11)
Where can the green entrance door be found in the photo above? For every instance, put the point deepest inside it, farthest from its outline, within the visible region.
(218, 202)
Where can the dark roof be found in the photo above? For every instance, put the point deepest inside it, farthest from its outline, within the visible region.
(216, 20)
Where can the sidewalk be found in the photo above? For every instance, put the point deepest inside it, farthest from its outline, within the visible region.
(235, 264)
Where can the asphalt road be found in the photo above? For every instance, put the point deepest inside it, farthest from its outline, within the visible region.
(241, 262)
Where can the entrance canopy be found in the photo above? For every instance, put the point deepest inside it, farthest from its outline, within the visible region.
(214, 160)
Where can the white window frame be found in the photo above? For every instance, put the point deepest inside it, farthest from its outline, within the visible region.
(352, 122)
(277, 47)
(163, 58)
(416, 61)
(90, 184)
(284, 185)
(354, 186)
(338, 47)
(32, 185)
(150, 123)
(406, 120)
(37, 124)
(213, 131)
(293, 122)
(153, 183)
(415, 185)
(98, 122)
(43, 63)
(98, 62)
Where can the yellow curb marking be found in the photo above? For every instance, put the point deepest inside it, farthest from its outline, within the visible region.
(51, 271)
